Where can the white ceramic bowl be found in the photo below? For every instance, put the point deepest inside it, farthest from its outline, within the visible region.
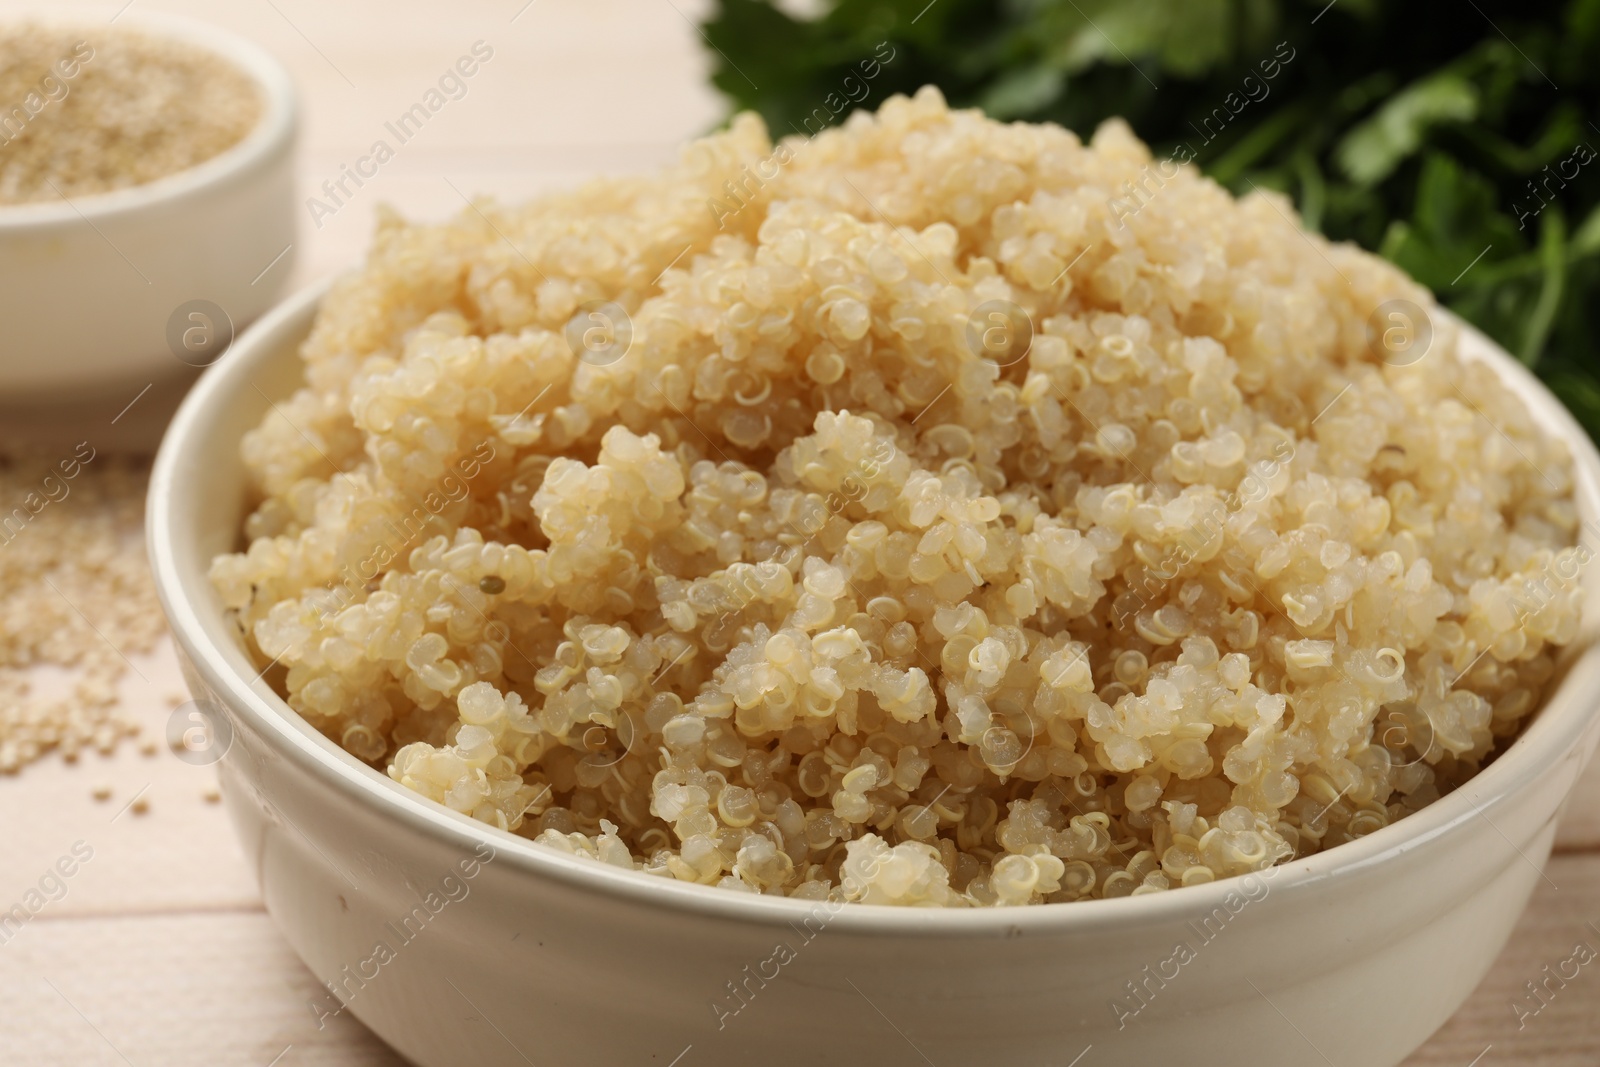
(88, 286)
(1351, 957)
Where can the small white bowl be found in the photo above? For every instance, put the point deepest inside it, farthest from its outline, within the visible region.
(89, 286)
(1350, 957)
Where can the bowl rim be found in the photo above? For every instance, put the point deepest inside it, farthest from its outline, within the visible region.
(1566, 716)
(273, 133)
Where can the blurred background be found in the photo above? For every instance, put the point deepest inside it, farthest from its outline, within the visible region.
(1454, 138)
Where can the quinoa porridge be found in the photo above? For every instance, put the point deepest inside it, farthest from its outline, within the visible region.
(799, 590)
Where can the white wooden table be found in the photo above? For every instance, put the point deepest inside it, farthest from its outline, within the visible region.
(159, 954)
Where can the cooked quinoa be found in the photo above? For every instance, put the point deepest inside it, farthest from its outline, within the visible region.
(91, 109)
(802, 591)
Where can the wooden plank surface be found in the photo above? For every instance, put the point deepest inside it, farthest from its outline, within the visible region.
(159, 951)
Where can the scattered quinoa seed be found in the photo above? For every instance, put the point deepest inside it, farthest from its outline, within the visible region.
(101, 791)
(492, 584)
(74, 558)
